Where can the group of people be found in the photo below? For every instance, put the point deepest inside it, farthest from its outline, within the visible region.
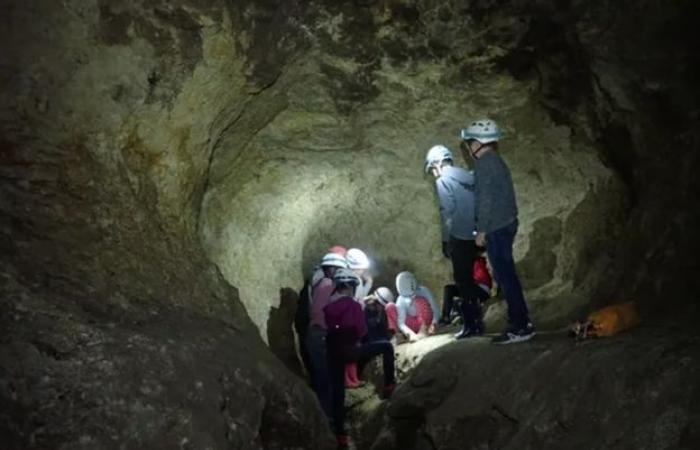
(342, 323)
(341, 327)
(478, 209)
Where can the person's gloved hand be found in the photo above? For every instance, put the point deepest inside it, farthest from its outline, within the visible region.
(446, 249)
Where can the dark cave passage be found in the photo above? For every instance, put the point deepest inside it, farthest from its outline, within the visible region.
(170, 172)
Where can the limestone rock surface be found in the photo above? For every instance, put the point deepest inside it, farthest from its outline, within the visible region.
(170, 171)
(116, 331)
(337, 154)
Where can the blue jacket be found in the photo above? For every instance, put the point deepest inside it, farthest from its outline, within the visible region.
(455, 189)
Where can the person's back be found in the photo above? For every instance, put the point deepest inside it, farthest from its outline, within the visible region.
(497, 222)
(496, 205)
(455, 189)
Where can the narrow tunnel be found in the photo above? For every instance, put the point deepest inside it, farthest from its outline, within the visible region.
(172, 170)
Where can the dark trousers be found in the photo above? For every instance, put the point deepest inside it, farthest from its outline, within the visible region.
(338, 358)
(499, 246)
(318, 355)
(305, 357)
(471, 295)
(449, 292)
(463, 255)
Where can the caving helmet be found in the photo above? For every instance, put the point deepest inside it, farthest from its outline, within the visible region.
(406, 284)
(483, 130)
(384, 295)
(345, 277)
(357, 259)
(436, 156)
(334, 260)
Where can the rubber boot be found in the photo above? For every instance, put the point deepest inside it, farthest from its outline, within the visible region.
(479, 320)
(352, 372)
(351, 381)
(343, 441)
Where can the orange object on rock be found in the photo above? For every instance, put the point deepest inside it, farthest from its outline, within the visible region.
(608, 321)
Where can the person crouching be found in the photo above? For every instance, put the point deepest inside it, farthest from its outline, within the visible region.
(416, 307)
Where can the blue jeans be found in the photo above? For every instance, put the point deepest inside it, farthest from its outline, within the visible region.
(316, 346)
(499, 246)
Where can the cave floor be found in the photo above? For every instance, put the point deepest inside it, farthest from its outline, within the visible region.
(539, 394)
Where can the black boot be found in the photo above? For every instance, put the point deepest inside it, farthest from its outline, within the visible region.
(479, 319)
(449, 292)
(469, 315)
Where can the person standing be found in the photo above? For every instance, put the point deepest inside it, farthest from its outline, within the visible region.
(321, 293)
(302, 317)
(455, 190)
(497, 222)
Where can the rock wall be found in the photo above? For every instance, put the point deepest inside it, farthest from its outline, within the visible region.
(116, 329)
(338, 157)
(143, 140)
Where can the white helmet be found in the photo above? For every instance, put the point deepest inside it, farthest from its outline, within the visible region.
(406, 284)
(334, 260)
(357, 259)
(484, 131)
(345, 276)
(384, 295)
(436, 155)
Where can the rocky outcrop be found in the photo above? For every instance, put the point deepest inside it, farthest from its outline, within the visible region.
(634, 391)
(116, 330)
(169, 381)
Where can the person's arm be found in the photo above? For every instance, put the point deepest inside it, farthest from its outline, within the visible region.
(322, 293)
(367, 283)
(362, 289)
(391, 317)
(425, 292)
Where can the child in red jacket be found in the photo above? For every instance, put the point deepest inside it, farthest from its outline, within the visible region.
(473, 325)
(346, 326)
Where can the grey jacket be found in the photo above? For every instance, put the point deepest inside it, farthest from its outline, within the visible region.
(495, 196)
(455, 189)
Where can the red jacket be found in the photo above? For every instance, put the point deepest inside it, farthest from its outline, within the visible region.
(481, 272)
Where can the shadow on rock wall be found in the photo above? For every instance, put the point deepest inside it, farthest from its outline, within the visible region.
(280, 333)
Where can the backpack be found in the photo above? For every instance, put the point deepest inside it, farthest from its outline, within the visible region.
(302, 317)
(607, 322)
